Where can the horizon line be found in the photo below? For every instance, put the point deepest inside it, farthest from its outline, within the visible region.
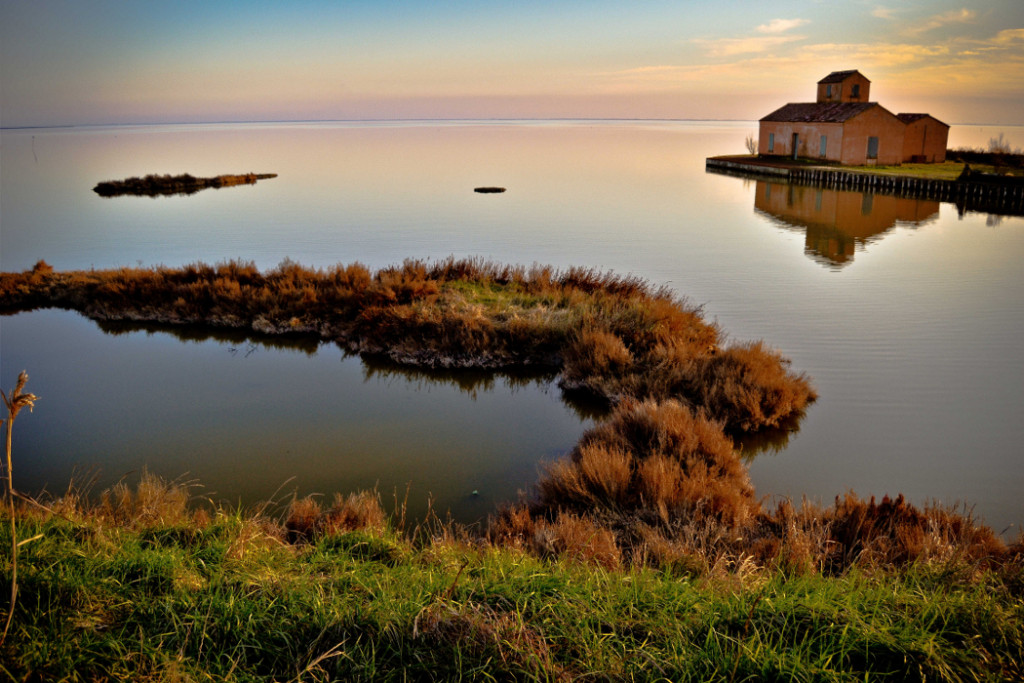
(416, 120)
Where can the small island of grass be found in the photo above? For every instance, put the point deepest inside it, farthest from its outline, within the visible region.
(155, 185)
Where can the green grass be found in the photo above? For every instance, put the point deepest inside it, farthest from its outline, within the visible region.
(950, 170)
(229, 600)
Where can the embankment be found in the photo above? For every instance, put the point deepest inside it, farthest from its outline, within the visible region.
(981, 192)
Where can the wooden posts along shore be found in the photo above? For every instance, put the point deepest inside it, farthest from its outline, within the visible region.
(971, 192)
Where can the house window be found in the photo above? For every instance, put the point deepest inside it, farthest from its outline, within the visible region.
(872, 148)
(855, 92)
(771, 142)
(828, 90)
(824, 144)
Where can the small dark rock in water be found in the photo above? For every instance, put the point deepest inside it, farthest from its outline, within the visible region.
(488, 190)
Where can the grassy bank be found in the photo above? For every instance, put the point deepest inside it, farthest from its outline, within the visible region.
(951, 169)
(143, 587)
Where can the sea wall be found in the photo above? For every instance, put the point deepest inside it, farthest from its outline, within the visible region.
(979, 192)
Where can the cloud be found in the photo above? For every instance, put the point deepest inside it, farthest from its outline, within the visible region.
(955, 16)
(1009, 35)
(781, 25)
(730, 47)
(876, 54)
(883, 13)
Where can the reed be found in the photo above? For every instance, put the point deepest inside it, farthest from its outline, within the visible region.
(14, 402)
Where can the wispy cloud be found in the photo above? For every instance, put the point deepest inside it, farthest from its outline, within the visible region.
(957, 16)
(883, 13)
(1010, 35)
(730, 47)
(781, 25)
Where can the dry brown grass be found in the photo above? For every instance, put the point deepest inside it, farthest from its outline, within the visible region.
(153, 502)
(612, 336)
(307, 521)
(749, 386)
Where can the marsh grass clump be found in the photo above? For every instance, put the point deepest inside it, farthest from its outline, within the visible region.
(642, 474)
(307, 520)
(612, 336)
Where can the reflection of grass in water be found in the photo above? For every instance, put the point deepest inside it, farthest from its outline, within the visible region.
(306, 343)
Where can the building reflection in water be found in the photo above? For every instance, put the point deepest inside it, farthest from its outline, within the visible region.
(836, 221)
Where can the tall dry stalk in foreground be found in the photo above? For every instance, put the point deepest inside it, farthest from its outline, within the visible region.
(14, 403)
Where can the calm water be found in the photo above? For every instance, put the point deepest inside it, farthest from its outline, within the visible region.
(908, 317)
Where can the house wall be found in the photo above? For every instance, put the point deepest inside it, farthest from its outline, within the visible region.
(843, 92)
(875, 122)
(925, 141)
(808, 140)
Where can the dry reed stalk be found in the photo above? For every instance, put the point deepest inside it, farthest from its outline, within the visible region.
(14, 403)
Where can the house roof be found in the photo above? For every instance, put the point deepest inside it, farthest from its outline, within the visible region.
(819, 112)
(910, 118)
(840, 76)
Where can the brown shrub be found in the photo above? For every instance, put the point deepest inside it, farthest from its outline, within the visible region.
(354, 512)
(895, 533)
(154, 502)
(513, 526)
(595, 476)
(593, 357)
(302, 519)
(649, 462)
(306, 520)
(748, 387)
(647, 428)
(577, 539)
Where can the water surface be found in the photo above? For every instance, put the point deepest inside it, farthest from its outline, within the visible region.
(907, 316)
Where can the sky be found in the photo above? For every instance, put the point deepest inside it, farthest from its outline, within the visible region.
(109, 61)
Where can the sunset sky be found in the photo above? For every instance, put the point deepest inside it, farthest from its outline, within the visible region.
(104, 61)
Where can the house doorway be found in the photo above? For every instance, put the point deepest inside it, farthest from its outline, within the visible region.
(796, 143)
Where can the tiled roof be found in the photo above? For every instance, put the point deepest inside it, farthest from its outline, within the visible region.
(910, 118)
(819, 112)
(840, 76)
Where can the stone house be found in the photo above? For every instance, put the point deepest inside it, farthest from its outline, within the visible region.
(843, 126)
(925, 138)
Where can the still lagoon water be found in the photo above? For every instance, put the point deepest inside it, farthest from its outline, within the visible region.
(908, 316)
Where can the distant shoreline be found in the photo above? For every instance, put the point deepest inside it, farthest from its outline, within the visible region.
(509, 121)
